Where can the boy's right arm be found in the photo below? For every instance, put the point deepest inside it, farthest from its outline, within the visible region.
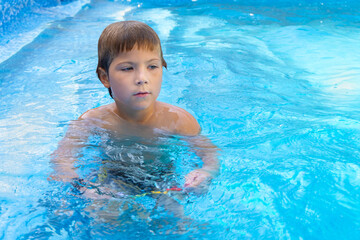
(64, 157)
(67, 153)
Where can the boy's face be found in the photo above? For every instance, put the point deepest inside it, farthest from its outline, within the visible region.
(135, 78)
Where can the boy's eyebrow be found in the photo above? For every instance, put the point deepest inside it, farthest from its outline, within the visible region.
(123, 63)
(129, 62)
(154, 59)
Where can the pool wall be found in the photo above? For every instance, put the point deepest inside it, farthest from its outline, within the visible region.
(23, 20)
(12, 9)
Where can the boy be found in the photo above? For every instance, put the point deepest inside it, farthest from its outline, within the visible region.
(130, 62)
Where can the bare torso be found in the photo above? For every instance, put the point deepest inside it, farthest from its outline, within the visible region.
(166, 118)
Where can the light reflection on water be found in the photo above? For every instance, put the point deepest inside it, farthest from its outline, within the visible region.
(274, 88)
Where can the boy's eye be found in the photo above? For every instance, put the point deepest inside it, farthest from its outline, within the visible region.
(127, 69)
(153, 66)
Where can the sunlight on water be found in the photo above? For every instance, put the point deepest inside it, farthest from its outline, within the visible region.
(273, 85)
(318, 49)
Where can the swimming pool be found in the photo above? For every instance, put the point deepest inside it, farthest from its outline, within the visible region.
(274, 84)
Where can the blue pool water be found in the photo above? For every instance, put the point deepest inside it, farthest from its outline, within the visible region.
(274, 84)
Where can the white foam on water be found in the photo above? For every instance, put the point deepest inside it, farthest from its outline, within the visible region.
(159, 17)
(120, 15)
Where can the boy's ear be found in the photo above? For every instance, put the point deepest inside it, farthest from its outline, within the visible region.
(103, 77)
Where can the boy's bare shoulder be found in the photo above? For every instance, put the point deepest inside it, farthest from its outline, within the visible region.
(185, 123)
(98, 113)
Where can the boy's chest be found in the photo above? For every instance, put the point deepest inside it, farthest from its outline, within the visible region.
(161, 125)
(121, 130)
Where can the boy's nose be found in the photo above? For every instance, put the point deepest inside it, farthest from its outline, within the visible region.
(141, 82)
(141, 78)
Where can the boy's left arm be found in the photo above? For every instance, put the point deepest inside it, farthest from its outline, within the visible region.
(208, 152)
(198, 179)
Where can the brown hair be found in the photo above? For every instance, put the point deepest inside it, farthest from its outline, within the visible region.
(121, 37)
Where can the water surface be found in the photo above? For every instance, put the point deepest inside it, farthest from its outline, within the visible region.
(274, 85)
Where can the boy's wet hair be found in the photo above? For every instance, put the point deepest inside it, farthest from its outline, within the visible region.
(122, 37)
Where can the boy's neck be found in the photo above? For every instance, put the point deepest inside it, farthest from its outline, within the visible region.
(138, 117)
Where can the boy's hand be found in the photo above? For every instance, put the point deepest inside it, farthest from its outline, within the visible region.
(94, 194)
(90, 191)
(198, 180)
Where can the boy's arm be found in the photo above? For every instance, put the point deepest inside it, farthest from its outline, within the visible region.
(208, 153)
(204, 148)
(64, 157)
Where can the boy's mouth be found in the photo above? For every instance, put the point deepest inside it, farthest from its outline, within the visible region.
(141, 94)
